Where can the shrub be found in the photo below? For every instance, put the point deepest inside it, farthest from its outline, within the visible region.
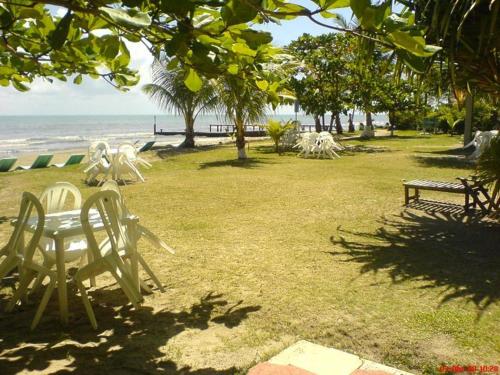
(276, 129)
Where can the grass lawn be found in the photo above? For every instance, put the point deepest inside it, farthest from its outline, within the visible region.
(273, 250)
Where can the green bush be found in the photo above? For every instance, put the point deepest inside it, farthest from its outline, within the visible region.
(406, 120)
(484, 115)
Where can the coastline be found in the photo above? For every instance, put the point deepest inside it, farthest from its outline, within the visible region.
(60, 156)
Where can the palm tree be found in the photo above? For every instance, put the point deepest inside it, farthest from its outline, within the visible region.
(170, 92)
(241, 103)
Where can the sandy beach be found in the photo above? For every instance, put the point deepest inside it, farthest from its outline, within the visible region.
(60, 156)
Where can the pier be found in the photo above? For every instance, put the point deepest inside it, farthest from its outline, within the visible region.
(226, 130)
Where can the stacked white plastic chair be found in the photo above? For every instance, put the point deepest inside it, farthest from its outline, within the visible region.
(98, 161)
(126, 162)
(481, 142)
(142, 232)
(326, 146)
(307, 144)
(321, 144)
(106, 255)
(60, 197)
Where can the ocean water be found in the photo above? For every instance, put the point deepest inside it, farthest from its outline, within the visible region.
(30, 134)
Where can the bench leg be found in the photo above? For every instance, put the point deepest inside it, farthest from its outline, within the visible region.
(417, 195)
(407, 196)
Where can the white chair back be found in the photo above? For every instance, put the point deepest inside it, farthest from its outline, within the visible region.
(30, 206)
(55, 197)
(129, 150)
(108, 205)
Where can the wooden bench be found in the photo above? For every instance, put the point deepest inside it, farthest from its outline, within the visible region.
(470, 188)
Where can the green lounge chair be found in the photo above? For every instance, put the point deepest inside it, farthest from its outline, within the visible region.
(72, 160)
(6, 164)
(147, 146)
(42, 161)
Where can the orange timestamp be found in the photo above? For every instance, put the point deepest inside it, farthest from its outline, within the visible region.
(483, 369)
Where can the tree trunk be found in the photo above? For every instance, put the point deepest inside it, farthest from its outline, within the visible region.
(338, 124)
(469, 104)
(330, 128)
(240, 139)
(368, 132)
(317, 124)
(189, 140)
(392, 123)
(351, 124)
(322, 122)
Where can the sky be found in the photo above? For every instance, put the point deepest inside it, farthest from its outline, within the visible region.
(96, 97)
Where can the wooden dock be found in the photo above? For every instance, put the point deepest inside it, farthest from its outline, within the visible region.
(218, 131)
(224, 130)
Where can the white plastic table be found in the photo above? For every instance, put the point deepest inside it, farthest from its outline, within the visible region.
(61, 225)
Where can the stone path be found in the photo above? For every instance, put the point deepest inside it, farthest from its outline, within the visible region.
(306, 358)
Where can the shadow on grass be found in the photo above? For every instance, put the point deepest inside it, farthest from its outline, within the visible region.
(248, 163)
(5, 219)
(127, 340)
(395, 137)
(443, 248)
(444, 162)
(353, 150)
(169, 150)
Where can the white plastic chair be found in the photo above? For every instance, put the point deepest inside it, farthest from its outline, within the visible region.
(142, 232)
(98, 156)
(307, 144)
(326, 145)
(132, 154)
(106, 256)
(14, 251)
(57, 198)
(28, 267)
(122, 166)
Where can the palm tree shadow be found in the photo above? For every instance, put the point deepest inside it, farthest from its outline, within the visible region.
(444, 248)
(248, 163)
(451, 161)
(127, 340)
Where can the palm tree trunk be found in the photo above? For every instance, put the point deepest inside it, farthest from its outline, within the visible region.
(351, 123)
(330, 128)
(240, 139)
(368, 132)
(189, 140)
(338, 124)
(317, 123)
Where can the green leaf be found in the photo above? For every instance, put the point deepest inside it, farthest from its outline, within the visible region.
(19, 86)
(359, 6)
(110, 46)
(243, 49)
(237, 12)
(263, 85)
(60, 34)
(333, 4)
(326, 14)
(413, 44)
(78, 79)
(193, 80)
(127, 18)
(179, 8)
(232, 69)
(254, 38)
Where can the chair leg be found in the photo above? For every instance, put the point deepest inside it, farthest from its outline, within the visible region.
(40, 277)
(150, 273)
(86, 303)
(43, 302)
(90, 259)
(7, 265)
(23, 287)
